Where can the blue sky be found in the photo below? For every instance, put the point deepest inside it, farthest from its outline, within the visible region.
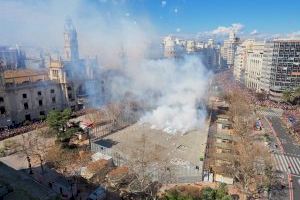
(40, 22)
(192, 16)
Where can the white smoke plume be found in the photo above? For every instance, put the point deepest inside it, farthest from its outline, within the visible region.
(181, 85)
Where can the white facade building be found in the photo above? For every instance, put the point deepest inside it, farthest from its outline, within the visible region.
(229, 48)
(240, 60)
(190, 46)
(170, 47)
(253, 70)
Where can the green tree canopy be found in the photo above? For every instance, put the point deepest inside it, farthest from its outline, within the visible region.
(291, 95)
(208, 193)
(57, 120)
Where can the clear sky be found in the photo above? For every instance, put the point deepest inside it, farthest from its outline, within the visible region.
(40, 22)
(192, 16)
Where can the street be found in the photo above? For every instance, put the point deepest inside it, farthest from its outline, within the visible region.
(296, 186)
(289, 160)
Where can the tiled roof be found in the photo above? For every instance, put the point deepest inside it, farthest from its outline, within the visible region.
(23, 73)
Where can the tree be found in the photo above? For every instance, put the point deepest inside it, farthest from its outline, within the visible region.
(288, 96)
(175, 195)
(142, 176)
(221, 192)
(60, 158)
(9, 147)
(208, 194)
(57, 121)
(40, 146)
(26, 149)
(240, 112)
(252, 167)
(54, 120)
(227, 197)
(251, 164)
(291, 95)
(297, 95)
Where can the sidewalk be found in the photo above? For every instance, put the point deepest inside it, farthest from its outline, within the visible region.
(20, 180)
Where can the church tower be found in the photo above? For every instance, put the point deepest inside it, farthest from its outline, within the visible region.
(71, 43)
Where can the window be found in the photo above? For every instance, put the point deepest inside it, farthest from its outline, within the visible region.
(2, 110)
(42, 113)
(24, 95)
(40, 102)
(1, 99)
(69, 88)
(26, 106)
(55, 73)
(52, 91)
(27, 117)
(70, 96)
(39, 93)
(53, 99)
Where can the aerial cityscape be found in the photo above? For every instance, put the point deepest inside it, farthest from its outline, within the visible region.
(149, 100)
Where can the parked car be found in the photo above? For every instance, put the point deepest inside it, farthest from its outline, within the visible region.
(98, 194)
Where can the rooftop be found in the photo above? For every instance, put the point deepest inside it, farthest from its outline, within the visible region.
(25, 75)
(97, 165)
(119, 171)
(158, 145)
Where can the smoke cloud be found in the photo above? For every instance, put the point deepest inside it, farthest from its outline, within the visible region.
(179, 87)
(183, 85)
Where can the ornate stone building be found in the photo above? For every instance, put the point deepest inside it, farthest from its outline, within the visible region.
(28, 94)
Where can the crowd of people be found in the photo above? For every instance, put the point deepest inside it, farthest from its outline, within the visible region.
(33, 125)
(13, 131)
(228, 84)
(226, 81)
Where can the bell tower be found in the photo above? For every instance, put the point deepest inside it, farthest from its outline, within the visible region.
(71, 43)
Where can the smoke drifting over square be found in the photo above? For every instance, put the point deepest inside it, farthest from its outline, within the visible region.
(173, 89)
(128, 45)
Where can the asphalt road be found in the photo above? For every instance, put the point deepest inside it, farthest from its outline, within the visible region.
(296, 186)
(289, 145)
(290, 148)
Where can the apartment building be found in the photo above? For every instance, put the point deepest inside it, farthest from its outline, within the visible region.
(240, 60)
(11, 58)
(253, 67)
(281, 67)
(229, 48)
(170, 47)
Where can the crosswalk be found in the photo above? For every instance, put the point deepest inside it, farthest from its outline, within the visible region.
(269, 113)
(287, 163)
